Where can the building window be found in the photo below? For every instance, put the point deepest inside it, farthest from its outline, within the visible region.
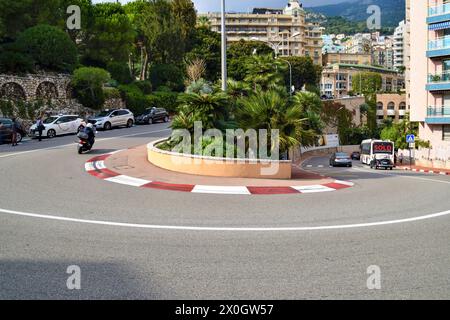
(380, 106)
(391, 106)
(402, 106)
(446, 132)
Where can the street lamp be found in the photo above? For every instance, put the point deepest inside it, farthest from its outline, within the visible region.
(224, 49)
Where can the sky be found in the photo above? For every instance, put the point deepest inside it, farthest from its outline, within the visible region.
(244, 5)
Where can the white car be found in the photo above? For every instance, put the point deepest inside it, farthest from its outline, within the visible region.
(58, 125)
(109, 119)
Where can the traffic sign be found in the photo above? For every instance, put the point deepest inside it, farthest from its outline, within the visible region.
(410, 138)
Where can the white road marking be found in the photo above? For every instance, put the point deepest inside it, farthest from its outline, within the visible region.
(127, 180)
(89, 166)
(192, 228)
(320, 166)
(313, 189)
(402, 176)
(73, 143)
(221, 189)
(347, 183)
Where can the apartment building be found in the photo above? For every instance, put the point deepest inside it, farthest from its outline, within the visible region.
(286, 30)
(336, 80)
(391, 106)
(383, 56)
(347, 58)
(399, 44)
(429, 75)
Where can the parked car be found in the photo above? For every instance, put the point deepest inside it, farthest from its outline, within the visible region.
(6, 131)
(58, 125)
(340, 159)
(152, 115)
(356, 155)
(109, 119)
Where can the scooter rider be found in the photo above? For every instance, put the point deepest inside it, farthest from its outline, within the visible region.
(90, 131)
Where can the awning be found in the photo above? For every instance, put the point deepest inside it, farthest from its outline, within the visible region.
(439, 26)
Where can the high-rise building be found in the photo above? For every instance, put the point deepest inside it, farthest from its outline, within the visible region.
(286, 30)
(399, 43)
(429, 76)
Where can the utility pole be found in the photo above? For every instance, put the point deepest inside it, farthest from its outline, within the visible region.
(224, 49)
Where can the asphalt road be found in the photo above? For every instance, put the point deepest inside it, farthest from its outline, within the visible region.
(127, 262)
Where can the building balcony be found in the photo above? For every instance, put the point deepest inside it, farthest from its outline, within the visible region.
(439, 13)
(438, 115)
(439, 47)
(438, 82)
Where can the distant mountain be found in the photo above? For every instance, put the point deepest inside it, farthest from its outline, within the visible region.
(392, 11)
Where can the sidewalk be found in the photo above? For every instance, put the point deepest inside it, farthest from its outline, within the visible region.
(414, 168)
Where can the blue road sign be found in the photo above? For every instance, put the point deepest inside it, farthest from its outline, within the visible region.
(410, 138)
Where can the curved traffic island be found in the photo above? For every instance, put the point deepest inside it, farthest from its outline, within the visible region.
(217, 166)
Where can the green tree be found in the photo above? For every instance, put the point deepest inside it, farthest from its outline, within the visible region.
(303, 72)
(110, 38)
(270, 110)
(238, 55)
(48, 47)
(88, 86)
(367, 83)
(397, 132)
(206, 46)
(264, 72)
(167, 75)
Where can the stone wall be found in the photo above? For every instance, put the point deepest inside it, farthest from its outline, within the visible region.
(54, 90)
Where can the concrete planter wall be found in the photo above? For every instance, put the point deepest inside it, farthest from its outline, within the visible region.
(217, 167)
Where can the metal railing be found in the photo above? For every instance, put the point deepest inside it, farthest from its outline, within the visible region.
(439, 43)
(442, 111)
(439, 77)
(437, 10)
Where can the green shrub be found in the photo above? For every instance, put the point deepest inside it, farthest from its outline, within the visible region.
(166, 100)
(120, 72)
(112, 93)
(134, 98)
(144, 86)
(88, 86)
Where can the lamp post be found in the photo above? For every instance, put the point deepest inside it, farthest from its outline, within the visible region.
(224, 49)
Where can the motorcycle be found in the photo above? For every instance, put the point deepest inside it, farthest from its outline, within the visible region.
(83, 143)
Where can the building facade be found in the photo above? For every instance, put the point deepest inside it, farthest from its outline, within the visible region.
(286, 30)
(429, 74)
(346, 58)
(391, 106)
(399, 44)
(336, 80)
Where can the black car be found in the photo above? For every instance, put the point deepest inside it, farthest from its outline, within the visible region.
(356, 155)
(6, 131)
(340, 159)
(382, 163)
(153, 115)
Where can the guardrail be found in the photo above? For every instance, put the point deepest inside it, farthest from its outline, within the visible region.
(438, 111)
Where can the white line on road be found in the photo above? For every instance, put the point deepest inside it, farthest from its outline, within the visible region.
(402, 176)
(71, 144)
(192, 228)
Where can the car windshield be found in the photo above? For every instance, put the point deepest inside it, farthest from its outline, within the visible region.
(103, 114)
(148, 111)
(50, 120)
(341, 155)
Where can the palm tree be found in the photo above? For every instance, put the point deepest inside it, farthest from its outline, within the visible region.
(210, 109)
(203, 22)
(263, 71)
(270, 110)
